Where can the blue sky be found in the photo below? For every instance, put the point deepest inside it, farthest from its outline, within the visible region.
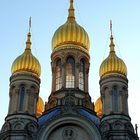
(94, 16)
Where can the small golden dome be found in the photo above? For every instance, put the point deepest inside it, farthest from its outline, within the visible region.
(26, 62)
(98, 108)
(112, 64)
(70, 34)
(39, 107)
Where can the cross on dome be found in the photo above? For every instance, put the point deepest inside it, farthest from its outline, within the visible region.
(111, 39)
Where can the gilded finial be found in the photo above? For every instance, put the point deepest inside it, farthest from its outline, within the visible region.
(111, 39)
(71, 15)
(28, 42)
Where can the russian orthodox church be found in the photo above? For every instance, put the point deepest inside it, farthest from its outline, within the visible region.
(69, 113)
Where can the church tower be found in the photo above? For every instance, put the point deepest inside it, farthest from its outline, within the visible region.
(69, 113)
(21, 122)
(115, 123)
(70, 64)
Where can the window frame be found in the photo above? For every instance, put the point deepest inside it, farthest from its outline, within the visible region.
(81, 75)
(58, 75)
(70, 72)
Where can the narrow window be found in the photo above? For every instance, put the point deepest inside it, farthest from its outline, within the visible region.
(81, 74)
(21, 97)
(70, 73)
(114, 99)
(58, 75)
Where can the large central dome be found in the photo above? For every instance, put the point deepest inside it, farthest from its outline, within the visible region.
(70, 34)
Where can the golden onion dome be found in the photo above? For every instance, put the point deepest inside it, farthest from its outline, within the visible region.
(26, 62)
(98, 108)
(70, 34)
(112, 65)
(39, 107)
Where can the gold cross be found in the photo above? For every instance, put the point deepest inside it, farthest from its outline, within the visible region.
(111, 26)
(30, 24)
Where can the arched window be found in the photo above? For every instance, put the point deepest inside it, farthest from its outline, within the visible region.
(70, 73)
(114, 99)
(21, 97)
(81, 74)
(58, 75)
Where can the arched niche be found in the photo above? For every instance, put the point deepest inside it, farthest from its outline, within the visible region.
(69, 128)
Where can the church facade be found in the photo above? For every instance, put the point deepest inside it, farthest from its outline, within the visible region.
(69, 113)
